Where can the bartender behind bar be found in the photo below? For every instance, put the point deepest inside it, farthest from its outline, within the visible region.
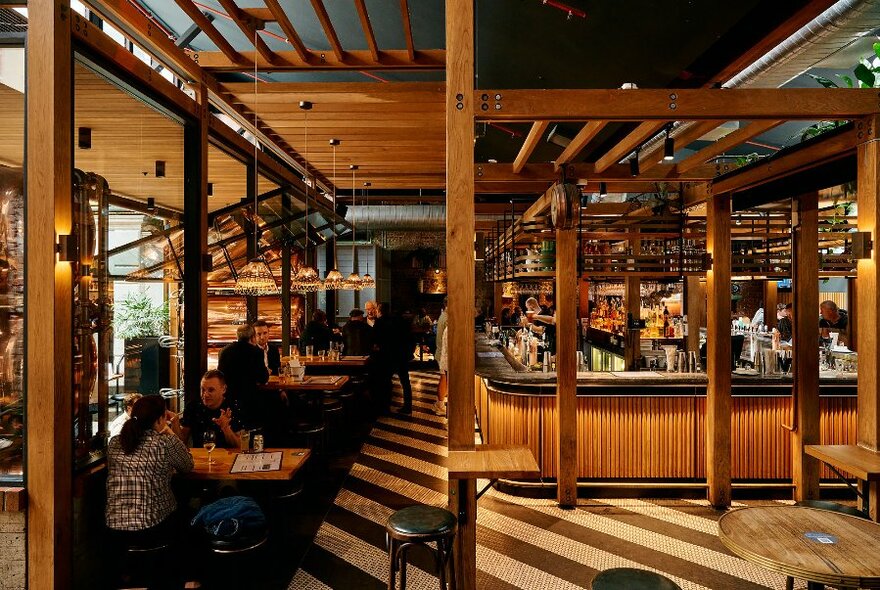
(542, 320)
(832, 319)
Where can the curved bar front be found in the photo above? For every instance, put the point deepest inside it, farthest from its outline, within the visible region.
(650, 427)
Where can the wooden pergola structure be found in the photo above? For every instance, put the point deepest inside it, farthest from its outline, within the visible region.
(441, 156)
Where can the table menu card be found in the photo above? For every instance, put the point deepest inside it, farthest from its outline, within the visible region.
(251, 462)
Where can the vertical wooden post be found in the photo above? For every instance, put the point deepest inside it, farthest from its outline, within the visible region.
(195, 244)
(460, 264)
(566, 366)
(852, 307)
(771, 297)
(867, 287)
(498, 300)
(285, 285)
(718, 351)
(252, 247)
(632, 298)
(805, 389)
(694, 303)
(49, 292)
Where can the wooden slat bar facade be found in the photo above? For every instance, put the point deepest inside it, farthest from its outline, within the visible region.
(659, 437)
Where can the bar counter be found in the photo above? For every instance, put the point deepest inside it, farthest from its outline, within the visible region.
(651, 427)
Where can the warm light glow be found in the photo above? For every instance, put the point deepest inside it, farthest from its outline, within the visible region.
(256, 280)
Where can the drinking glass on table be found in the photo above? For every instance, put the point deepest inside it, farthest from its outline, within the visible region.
(209, 442)
(310, 350)
(321, 355)
(784, 360)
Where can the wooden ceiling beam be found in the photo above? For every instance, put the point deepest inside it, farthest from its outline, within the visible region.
(361, 6)
(727, 142)
(529, 145)
(202, 22)
(329, 31)
(359, 59)
(676, 104)
(629, 143)
(355, 89)
(586, 171)
(407, 30)
(580, 141)
(287, 28)
(248, 28)
(683, 136)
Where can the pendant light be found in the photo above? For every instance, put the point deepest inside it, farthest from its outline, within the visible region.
(256, 278)
(306, 279)
(334, 280)
(354, 281)
(367, 281)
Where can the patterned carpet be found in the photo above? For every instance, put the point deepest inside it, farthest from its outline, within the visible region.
(521, 543)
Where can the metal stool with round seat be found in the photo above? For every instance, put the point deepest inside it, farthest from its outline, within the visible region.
(230, 560)
(420, 525)
(142, 562)
(332, 412)
(311, 434)
(628, 578)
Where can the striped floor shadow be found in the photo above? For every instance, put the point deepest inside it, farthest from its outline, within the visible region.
(521, 543)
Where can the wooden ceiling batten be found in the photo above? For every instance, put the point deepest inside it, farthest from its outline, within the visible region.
(329, 31)
(358, 59)
(629, 143)
(245, 24)
(368, 28)
(287, 28)
(576, 172)
(727, 142)
(682, 137)
(202, 22)
(580, 141)
(407, 30)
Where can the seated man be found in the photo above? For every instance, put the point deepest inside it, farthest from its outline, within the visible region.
(213, 413)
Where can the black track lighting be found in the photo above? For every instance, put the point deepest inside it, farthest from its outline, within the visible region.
(603, 189)
(210, 189)
(668, 147)
(634, 165)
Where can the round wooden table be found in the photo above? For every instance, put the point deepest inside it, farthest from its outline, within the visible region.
(806, 543)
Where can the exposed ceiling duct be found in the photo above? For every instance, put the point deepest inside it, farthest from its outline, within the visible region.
(840, 26)
(833, 30)
(398, 217)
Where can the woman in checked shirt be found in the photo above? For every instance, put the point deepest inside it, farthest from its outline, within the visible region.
(141, 461)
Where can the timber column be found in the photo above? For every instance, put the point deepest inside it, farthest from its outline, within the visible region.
(718, 350)
(867, 287)
(805, 394)
(49, 292)
(460, 264)
(566, 366)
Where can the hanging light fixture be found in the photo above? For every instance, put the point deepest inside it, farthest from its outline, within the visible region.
(334, 279)
(668, 146)
(367, 281)
(353, 281)
(256, 278)
(306, 279)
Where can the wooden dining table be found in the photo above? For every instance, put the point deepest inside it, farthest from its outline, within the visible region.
(343, 361)
(292, 461)
(806, 543)
(308, 383)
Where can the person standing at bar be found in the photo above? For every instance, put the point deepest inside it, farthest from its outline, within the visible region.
(244, 368)
(442, 361)
(357, 336)
(370, 308)
(318, 333)
(394, 344)
(271, 354)
(543, 320)
(832, 319)
(784, 322)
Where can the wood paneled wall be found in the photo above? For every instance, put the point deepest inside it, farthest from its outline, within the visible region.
(660, 437)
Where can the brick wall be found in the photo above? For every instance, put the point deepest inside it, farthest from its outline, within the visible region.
(12, 551)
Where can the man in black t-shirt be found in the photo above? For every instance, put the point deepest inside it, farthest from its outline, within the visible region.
(213, 413)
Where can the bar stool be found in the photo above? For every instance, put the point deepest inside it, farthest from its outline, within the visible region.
(312, 435)
(420, 525)
(332, 415)
(627, 578)
(141, 564)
